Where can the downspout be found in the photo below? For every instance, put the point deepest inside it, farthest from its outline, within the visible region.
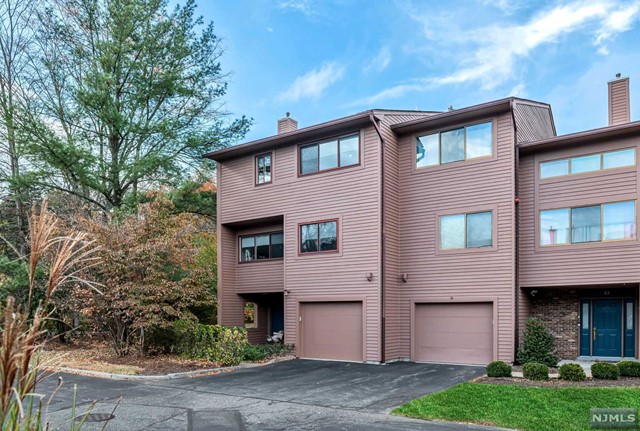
(383, 311)
(517, 231)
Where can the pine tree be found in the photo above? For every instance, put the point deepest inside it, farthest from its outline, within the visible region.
(538, 345)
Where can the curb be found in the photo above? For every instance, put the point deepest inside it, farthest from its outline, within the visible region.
(172, 376)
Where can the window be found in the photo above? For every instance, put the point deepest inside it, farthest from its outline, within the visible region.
(261, 246)
(250, 315)
(263, 169)
(588, 163)
(454, 145)
(318, 237)
(554, 227)
(595, 223)
(473, 230)
(336, 153)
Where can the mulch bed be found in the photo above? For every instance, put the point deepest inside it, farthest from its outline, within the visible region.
(97, 356)
(623, 382)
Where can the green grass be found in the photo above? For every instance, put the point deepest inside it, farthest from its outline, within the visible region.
(522, 407)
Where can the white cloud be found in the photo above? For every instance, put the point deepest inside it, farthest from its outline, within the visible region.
(494, 52)
(269, 29)
(313, 84)
(519, 90)
(303, 6)
(380, 62)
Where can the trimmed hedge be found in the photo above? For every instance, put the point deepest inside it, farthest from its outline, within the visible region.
(498, 369)
(605, 371)
(222, 345)
(572, 372)
(629, 368)
(535, 371)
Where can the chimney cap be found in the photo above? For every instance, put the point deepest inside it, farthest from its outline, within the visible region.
(618, 75)
(289, 113)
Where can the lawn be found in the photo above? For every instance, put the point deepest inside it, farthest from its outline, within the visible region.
(522, 407)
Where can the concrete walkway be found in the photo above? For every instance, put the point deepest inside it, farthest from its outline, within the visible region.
(294, 395)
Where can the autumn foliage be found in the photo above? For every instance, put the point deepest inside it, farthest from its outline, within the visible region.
(153, 272)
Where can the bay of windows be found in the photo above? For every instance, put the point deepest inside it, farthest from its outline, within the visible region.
(261, 246)
(454, 145)
(336, 153)
(594, 223)
(318, 237)
(472, 230)
(588, 163)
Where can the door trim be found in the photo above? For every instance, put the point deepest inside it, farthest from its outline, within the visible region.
(450, 300)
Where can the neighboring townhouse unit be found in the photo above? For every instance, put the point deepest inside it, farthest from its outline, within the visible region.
(432, 236)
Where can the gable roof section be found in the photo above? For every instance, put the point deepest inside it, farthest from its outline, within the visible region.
(534, 120)
(579, 138)
(316, 131)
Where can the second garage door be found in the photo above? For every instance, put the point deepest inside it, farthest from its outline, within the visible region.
(331, 330)
(456, 333)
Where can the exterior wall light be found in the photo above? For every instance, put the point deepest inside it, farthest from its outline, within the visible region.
(369, 276)
(405, 277)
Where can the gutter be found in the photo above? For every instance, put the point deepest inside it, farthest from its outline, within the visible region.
(517, 233)
(383, 310)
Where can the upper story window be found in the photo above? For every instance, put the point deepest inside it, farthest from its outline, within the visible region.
(263, 168)
(319, 237)
(594, 223)
(472, 230)
(261, 246)
(588, 163)
(467, 142)
(332, 154)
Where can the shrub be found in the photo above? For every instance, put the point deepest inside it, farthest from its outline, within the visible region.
(260, 352)
(498, 369)
(215, 343)
(605, 371)
(629, 368)
(535, 371)
(538, 345)
(572, 372)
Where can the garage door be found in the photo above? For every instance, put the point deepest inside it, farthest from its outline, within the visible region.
(332, 330)
(457, 333)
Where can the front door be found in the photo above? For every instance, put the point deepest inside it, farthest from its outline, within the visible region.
(607, 327)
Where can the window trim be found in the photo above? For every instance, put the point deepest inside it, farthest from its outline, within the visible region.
(493, 209)
(586, 243)
(440, 165)
(255, 314)
(312, 253)
(255, 247)
(602, 168)
(255, 168)
(337, 138)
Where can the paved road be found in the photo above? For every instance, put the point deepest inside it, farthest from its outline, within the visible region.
(295, 395)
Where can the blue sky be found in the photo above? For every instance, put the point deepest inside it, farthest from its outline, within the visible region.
(323, 59)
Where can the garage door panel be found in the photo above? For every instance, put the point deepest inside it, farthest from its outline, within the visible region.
(332, 330)
(459, 333)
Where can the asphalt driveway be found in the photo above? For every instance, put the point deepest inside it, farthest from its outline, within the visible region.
(299, 394)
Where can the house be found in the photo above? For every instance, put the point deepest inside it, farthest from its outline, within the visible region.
(432, 236)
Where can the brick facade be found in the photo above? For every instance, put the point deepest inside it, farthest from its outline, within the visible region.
(559, 310)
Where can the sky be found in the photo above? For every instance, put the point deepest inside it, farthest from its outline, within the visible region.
(324, 59)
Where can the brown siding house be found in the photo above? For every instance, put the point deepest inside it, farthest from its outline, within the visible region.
(432, 236)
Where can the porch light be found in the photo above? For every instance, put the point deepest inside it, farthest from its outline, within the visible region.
(405, 277)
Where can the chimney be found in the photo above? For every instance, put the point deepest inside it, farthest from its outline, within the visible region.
(287, 124)
(619, 110)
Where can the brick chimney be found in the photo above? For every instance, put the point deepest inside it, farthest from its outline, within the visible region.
(619, 109)
(287, 124)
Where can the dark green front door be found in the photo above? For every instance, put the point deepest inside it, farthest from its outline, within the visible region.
(607, 327)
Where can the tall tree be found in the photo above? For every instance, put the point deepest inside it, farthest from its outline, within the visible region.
(16, 38)
(132, 95)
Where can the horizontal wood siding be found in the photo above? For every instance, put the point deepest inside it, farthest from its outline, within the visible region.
(259, 276)
(259, 334)
(437, 276)
(619, 106)
(351, 195)
(576, 264)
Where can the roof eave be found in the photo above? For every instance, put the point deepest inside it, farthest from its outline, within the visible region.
(587, 136)
(317, 131)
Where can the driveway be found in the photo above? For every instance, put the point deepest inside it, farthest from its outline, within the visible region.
(299, 395)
